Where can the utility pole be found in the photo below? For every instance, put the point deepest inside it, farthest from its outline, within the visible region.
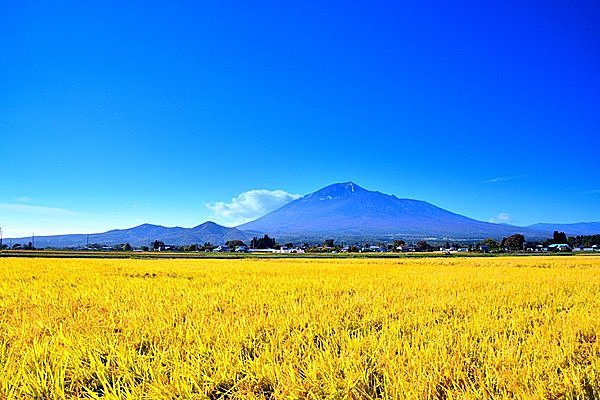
(87, 242)
(32, 241)
(1, 248)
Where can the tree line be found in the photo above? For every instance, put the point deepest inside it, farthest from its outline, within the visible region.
(514, 242)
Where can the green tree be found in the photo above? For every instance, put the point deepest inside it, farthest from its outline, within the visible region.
(234, 243)
(491, 243)
(263, 243)
(559, 237)
(422, 245)
(398, 243)
(207, 246)
(514, 242)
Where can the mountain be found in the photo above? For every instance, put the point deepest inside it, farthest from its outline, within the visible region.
(142, 235)
(346, 210)
(342, 211)
(576, 229)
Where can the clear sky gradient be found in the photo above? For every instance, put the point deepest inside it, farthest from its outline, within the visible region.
(117, 113)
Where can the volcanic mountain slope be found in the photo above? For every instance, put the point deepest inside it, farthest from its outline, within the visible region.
(348, 210)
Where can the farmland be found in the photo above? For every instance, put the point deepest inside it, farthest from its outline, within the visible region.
(505, 327)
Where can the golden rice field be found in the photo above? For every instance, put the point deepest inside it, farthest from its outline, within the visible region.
(445, 328)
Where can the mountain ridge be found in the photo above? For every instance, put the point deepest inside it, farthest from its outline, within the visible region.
(344, 211)
(143, 235)
(570, 229)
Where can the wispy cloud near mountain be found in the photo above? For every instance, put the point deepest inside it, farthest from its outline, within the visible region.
(502, 218)
(499, 179)
(249, 205)
(37, 210)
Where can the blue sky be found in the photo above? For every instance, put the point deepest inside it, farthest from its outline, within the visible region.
(115, 114)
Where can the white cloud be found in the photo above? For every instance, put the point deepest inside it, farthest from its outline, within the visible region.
(499, 179)
(249, 205)
(37, 210)
(502, 218)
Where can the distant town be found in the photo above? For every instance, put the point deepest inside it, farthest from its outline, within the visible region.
(516, 243)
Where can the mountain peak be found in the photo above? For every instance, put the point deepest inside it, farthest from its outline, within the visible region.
(336, 191)
(348, 185)
(209, 225)
(347, 210)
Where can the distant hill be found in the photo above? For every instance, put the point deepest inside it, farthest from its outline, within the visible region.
(576, 229)
(142, 235)
(347, 210)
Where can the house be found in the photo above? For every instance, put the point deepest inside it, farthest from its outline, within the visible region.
(406, 248)
(287, 250)
(559, 247)
(379, 249)
(221, 249)
(241, 249)
(581, 248)
(269, 250)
